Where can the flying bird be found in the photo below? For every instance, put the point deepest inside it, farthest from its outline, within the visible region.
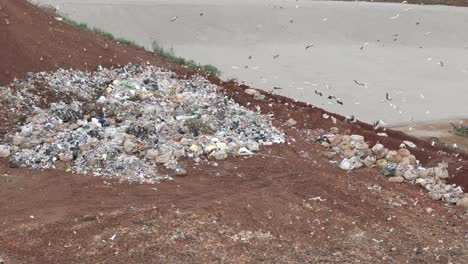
(395, 16)
(277, 88)
(276, 56)
(309, 46)
(387, 97)
(441, 64)
(360, 84)
(174, 19)
(318, 93)
(338, 101)
(250, 57)
(365, 44)
(201, 14)
(331, 97)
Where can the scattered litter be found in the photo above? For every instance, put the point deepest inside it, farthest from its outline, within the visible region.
(124, 123)
(409, 144)
(318, 198)
(399, 165)
(290, 123)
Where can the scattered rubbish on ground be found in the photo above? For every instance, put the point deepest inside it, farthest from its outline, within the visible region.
(399, 165)
(125, 122)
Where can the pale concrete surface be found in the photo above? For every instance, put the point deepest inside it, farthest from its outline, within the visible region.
(440, 133)
(232, 30)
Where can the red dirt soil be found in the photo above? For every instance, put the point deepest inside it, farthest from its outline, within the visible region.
(257, 209)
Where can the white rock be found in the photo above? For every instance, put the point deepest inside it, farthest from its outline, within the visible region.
(152, 154)
(164, 157)
(441, 173)
(219, 155)
(410, 175)
(253, 146)
(463, 202)
(369, 161)
(26, 130)
(4, 151)
(291, 122)
(251, 91)
(409, 144)
(346, 165)
(244, 152)
(435, 196)
(377, 148)
(396, 179)
(129, 146)
(66, 156)
(259, 96)
(18, 140)
(357, 138)
(404, 152)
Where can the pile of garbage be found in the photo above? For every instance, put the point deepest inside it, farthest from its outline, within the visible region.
(400, 165)
(124, 123)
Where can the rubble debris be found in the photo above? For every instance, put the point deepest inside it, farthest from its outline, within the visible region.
(399, 165)
(290, 123)
(124, 123)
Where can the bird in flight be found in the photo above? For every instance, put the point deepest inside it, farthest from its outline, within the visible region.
(201, 14)
(174, 19)
(338, 101)
(387, 97)
(250, 57)
(318, 93)
(365, 44)
(360, 84)
(277, 88)
(441, 64)
(309, 46)
(276, 56)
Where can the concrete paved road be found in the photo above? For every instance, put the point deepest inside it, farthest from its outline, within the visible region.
(406, 44)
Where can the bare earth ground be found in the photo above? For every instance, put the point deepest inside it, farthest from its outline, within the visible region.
(262, 209)
(440, 133)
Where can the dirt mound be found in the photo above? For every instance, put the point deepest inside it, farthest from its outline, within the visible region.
(288, 204)
(32, 41)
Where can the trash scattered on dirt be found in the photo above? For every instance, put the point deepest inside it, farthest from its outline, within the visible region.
(399, 165)
(124, 123)
(290, 122)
